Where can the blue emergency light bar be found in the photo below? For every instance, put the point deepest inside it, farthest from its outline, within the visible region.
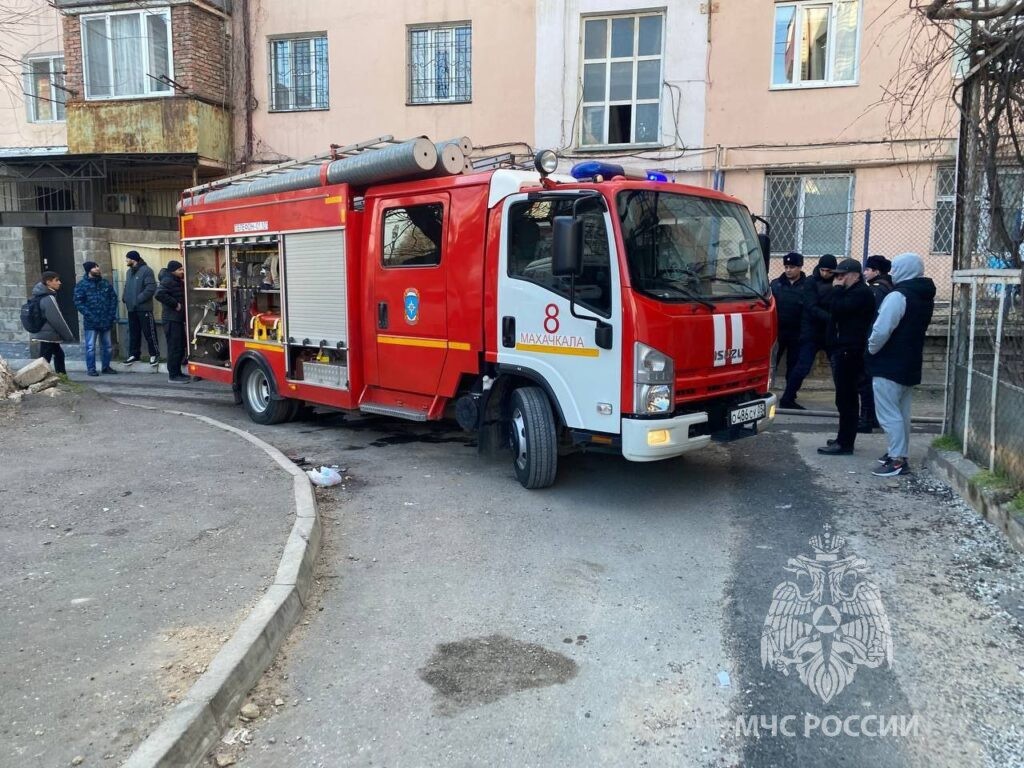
(591, 169)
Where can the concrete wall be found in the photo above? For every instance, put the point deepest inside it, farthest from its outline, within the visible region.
(368, 52)
(19, 271)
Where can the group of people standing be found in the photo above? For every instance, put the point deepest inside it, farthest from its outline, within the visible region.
(96, 300)
(871, 320)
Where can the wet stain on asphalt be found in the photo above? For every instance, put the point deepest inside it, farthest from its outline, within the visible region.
(481, 670)
(405, 438)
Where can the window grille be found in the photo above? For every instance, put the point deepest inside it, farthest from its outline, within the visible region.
(441, 64)
(810, 213)
(299, 74)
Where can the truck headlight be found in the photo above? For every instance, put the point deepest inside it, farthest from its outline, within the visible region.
(653, 379)
(657, 398)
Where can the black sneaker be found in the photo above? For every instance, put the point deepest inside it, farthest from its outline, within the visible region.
(884, 458)
(792, 405)
(93, 373)
(892, 468)
(108, 369)
(131, 359)
(154, 360)
(180, 379)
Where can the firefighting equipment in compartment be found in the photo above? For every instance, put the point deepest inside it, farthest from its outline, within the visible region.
(265, 326)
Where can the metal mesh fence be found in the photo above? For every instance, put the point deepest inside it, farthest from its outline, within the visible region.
(859, 234)
(985, 409)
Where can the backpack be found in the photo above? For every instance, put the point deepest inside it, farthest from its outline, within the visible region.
(32, 317)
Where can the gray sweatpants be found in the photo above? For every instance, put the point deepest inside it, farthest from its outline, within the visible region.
(892, 407)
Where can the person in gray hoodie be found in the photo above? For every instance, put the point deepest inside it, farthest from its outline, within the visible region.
(896, 354)
(139, 289)
(55, 329)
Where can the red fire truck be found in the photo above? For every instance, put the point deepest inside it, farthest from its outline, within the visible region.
(548, 313)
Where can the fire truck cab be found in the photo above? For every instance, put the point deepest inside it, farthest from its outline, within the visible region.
(546, 313)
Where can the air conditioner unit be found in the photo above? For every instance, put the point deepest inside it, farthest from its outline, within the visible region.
(122, 202)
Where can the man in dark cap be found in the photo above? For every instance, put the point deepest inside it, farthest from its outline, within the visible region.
(788, 290)
(852, 313)
(96, 300)
(813, 327)
(876, 274)
(171, 294)
(139, 288)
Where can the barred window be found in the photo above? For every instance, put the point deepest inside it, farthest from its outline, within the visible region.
(945, 205)
(441, 64)
(622, 79)
(810, 213)
(44, 87)
(298, 74)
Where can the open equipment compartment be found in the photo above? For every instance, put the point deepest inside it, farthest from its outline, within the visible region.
(207, 305)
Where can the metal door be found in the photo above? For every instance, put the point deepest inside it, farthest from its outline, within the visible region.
(57, 254)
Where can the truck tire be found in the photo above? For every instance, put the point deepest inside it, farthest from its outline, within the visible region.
(534, 439)
(258, 400)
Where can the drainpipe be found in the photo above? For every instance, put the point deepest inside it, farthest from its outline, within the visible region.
(249, 95)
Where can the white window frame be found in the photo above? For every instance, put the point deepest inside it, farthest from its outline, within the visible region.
(800, 7)
(608, 60)
(433, 32)
(800, 216)
(310, 39)
(32, 98)
(148, 82)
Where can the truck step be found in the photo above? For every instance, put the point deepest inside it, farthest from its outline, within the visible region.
(394, 410)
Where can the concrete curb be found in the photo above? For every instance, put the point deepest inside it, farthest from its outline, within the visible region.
(835, 415)
(959, 471)
(209, 707)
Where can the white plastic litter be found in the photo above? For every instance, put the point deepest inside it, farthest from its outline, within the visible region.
(324, 476)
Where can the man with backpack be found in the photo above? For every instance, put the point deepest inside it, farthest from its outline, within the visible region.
(96, 300)
(139, 289)
(41, 317)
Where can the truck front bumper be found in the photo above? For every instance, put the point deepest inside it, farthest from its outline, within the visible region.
(655, 439)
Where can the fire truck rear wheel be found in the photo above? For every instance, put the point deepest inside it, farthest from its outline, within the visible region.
(534, 438)
(258, 400)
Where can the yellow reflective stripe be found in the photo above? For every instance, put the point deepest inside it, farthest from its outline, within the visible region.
(266, 347)
(333, 200)
(416, 341)
(546, 349)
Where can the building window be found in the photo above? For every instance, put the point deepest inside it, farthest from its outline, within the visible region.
(44, 87)
(945, 205)
(412, 236)
(622, 76)
(298, 74)
(441, 64)
(127, 55)
(815, 43)
(810, 213)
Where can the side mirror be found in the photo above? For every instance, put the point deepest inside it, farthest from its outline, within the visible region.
(766, 249)
(567, 246)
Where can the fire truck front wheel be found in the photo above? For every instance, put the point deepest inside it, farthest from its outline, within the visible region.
(258, 399)
(534, 438)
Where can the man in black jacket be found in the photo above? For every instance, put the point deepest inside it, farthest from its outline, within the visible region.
(852, 312)
(788, 290)
(813, 325)
(896, 353)
(139, 289)
(876, 273)
(171, 294)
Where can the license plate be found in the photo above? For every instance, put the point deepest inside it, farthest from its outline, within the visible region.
(746, 414)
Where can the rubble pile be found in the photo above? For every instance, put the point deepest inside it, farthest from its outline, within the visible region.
(33, 378)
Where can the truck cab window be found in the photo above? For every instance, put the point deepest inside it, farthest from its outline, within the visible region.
(412, 236)
(529, 251)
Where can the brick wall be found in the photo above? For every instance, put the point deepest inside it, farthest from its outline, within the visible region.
(201, 53)
(201, 47)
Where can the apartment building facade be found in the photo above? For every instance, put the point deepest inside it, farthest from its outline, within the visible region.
(804, 113)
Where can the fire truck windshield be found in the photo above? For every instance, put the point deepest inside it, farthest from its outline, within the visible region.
(685, 248)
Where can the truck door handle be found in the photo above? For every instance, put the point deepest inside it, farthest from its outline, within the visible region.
(382, 314)
(508, 331)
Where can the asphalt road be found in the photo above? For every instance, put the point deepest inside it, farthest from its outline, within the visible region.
(617, 618)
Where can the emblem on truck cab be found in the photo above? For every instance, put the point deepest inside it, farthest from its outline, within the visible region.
(728, 339)
(411, 304)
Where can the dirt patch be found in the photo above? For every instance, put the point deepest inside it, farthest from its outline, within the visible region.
(481, 670)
